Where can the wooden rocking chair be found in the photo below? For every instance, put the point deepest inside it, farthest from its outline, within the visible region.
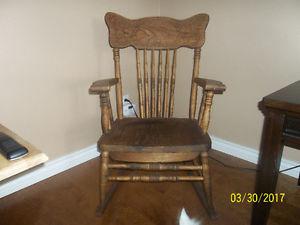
(156, 140)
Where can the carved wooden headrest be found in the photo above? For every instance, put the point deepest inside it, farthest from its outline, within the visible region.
(156, 32)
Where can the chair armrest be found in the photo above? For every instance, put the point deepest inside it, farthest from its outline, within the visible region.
(101, 86)
(210, 85)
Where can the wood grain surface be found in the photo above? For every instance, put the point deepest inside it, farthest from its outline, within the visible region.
(156, 137)
(156, 133)
(69, 198)
(156, 32)
(34, 157)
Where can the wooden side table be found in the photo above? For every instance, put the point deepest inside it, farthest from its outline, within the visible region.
(33, 158)
(281, 127)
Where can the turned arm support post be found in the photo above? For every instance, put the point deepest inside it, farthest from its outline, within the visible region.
(210, 88)
(102, 88)
(205, 109)
(106, 112)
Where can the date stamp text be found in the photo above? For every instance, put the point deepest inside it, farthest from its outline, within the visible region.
(257, 198)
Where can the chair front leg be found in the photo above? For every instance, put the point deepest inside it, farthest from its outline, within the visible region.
(103, 182)
(207, 185)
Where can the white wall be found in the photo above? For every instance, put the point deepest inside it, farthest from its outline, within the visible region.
(254, 48)
(50, 52)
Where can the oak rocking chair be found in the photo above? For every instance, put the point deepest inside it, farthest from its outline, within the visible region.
(156, 140)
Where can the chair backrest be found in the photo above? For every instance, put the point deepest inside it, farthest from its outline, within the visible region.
(156, 38)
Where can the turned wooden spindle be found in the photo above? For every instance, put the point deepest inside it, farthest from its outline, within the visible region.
(193, 97)
(140, 84)
(119, 97)
(153, 75)
(166, 84)
(155, 178)
(111, 118)
(146, 85)
(105, 112)
(172, 88)
(206, 112)
(201, 109)
(153, 166)
(159, 84)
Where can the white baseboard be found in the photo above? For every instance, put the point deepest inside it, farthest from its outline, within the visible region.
(66, 162)
(47, 170)
(251, 155)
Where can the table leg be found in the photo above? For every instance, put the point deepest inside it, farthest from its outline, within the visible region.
(268, 165)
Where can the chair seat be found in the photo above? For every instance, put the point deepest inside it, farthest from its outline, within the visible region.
(165, 135)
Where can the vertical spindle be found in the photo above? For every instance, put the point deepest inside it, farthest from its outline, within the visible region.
(172, 88)
(159, 84)
(153, 75)
(116, 55)
(201, 109)
(140, 84)
(166, 84)
(193, 97)
(146, 84)
(206, 111)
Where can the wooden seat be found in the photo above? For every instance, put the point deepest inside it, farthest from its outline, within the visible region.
(156, 140)
(154, 137)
